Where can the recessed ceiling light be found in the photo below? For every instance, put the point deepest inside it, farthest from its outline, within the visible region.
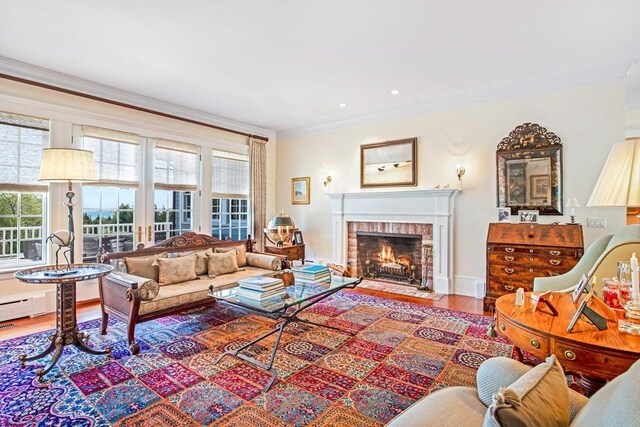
(342, 105)
(395, 92)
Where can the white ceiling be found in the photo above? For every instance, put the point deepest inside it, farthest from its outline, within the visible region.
(286, 65)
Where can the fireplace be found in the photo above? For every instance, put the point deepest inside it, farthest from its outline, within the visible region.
(428, 213)
(391, 257)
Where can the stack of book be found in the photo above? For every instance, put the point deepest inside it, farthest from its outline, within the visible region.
(311, 274)
(260, 288)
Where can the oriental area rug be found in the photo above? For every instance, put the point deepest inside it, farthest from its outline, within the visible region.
(400, 352)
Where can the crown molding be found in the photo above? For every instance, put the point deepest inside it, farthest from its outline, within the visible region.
(496, 93)
(65, 81)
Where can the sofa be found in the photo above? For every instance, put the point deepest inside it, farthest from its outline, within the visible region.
(500, 378)
(599, 260)
(176, 275)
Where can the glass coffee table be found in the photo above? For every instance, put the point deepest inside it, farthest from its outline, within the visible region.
(298, 298)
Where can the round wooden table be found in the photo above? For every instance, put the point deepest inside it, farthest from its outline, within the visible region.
(595, 356)
(66, 323)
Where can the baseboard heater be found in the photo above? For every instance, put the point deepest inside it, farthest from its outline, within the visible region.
(22, 307)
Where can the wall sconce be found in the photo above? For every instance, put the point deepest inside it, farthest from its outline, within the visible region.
(326, 180)
(460, 170)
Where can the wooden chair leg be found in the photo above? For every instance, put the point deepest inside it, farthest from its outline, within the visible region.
(134, 348)
(105, 323)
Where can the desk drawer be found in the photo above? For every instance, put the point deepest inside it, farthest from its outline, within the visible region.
(525, 339)
(575, 357)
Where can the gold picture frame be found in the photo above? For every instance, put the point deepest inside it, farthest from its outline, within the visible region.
(301, 190)
(389, 164)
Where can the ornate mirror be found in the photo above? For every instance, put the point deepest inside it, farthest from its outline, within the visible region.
(529, 165)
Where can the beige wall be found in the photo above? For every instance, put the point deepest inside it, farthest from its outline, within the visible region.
(588, 119)
(68, 110)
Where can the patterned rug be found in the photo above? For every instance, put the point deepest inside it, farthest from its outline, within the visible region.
(400, 353)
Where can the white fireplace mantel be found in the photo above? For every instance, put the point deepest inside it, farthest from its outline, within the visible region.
(434, 207)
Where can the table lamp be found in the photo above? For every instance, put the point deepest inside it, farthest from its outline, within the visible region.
(573, 204)
(619, 181)
(67, 165)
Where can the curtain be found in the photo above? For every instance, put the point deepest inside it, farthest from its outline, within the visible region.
(258, 188)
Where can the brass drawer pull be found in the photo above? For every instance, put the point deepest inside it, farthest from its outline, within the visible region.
(554, 261)
(509, 258)
(535, 343)
(530, 251)
(509, 287)
(509, 249)
(531, 259)
(570, 355)
(509, 270)
(502, 327)
(554, 253)
(531, 270)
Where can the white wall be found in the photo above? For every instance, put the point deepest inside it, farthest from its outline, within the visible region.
(588, 119)
(64, 111)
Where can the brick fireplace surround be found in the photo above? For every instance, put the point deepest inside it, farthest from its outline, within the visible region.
(425, 212)
(424, 230)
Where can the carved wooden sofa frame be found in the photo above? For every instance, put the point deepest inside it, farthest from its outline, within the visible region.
(127, 309)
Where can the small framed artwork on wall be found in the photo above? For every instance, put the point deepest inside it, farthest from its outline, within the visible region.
(528, 216)
(301, 190)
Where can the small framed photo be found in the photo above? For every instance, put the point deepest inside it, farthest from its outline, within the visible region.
(297, 238)
(504, 214)
(580, 287)
(528, 216)
(301, 190)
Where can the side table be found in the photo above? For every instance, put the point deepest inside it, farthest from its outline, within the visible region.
(66, 323)
(596, 356)
(293, 252)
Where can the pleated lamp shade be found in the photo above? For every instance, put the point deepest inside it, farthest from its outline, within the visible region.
(619, 181)
(67, 164)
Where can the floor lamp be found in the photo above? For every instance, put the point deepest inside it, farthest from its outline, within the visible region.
(67, 165)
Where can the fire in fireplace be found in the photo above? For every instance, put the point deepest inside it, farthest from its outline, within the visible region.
(390, 256)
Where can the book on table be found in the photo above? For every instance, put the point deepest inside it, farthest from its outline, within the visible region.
(258, 282)
(311, 273)
(258, 295)
(321, 279)
(259, 288)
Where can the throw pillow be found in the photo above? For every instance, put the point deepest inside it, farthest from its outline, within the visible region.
(222, 263)
(241, 253)
(268, 262)
(147, 288)
(537, 398)
(143, 266)
(176, 270)
(201, 260)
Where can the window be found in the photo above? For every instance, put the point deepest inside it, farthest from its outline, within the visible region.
(108, 207)
(230, 204)
(107, 220)
(22, 197)
(176, 178)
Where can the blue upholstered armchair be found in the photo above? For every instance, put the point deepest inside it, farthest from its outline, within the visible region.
(599, 260)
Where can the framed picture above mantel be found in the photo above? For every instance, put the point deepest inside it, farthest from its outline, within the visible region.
(389, 164)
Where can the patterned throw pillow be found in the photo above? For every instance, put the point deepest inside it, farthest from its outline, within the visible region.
(241, 253)
(222, 263)
(201, 260)
(176, 270)
(144, 266)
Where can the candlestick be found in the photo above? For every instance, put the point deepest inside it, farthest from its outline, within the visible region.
(635, 280)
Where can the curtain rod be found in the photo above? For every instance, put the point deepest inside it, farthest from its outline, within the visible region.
(133, 107)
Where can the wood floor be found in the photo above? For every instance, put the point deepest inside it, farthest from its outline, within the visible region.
(89, 310)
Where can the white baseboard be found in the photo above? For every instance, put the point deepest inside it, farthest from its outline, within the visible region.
(468, 286)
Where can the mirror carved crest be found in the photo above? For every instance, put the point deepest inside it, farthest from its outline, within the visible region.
(529, 169)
